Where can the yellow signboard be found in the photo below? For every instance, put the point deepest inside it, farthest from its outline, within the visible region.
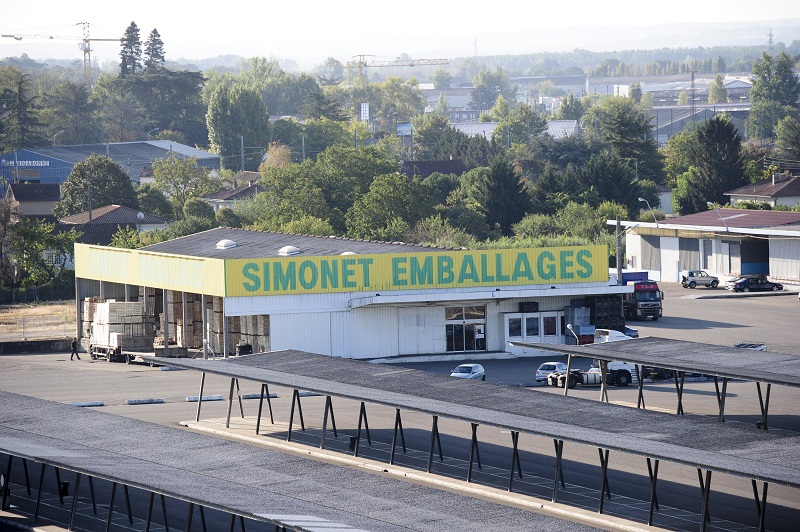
(418, 270)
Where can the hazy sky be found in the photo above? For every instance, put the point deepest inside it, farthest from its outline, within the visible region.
(311, 30)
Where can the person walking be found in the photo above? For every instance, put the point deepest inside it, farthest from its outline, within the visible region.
(74, 349)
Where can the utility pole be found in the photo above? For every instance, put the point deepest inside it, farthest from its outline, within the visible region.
(241, 152)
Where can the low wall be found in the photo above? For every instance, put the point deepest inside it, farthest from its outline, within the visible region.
(36, 346)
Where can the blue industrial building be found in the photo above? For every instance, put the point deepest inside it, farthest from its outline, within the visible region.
(52, 165)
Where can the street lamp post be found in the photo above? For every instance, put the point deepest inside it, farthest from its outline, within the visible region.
(651, 210)
(56, 136)
(152, 131)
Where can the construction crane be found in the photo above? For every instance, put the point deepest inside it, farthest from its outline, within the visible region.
(85, 45)
(360, 61)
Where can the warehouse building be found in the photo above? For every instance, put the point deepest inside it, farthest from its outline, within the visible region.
(724, 242)
(235, 290)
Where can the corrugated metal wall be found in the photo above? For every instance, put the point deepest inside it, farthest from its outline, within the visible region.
(422, 330)
(308, 331)
(784, 259)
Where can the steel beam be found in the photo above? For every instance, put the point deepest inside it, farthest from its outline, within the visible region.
(200, 397)
(566, 380)
(605, 489)
(398, 423)
(679, 380)
(328, 407)
(721, 396)
(434, 438)
(559, 473)
(6, 483)
(264, 386)
(763, 402)
(295, 400)
(652, 471)
(705, 490)
(111, 506)
(474, 452)
(514, 459)
(761, 504)
(74, 500)
(640, 380)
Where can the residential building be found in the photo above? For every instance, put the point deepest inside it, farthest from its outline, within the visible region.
(778, 190)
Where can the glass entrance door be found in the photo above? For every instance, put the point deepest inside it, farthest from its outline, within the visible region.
(465, 328)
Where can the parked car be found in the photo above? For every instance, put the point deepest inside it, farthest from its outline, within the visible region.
(547, 368)
(753, 284)
(734, 280)
(693, 278)
(469, 371)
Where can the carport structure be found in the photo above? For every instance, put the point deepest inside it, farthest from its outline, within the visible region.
(721, 362)
(253, 485)
(698, 443)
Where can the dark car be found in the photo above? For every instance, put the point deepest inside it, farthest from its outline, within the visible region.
(754, 284)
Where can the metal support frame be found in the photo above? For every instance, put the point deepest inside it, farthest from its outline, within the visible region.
(234, 381)
(721, 396)
(705, 490)
(91, 492)
(434, 438)
(39, 494)
(605, 489)
(398, 423)
(603, 381)
(200, 397)
(264, 388)
(295, 399)
(566, 380)
(679, 380)
(58, 487)
(474, 452)
(6, 483)
(74, 500)
(559, 474)
(761, 503)
(128, 503)
(328, 407)
(640, 381)
(189, 517)
(150, 512)
(111, 505)
(652, 471)
(763, 402)
(514, 459)
(27, 478)
(362, 417)
(233, 522)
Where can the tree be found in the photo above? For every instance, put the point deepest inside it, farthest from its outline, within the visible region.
(787, 142)
(96, 182)
(332, 71)
(237, 117)
(717, 93)
(170, 101)
(635, 92)
(227, 218)
(309, 225)
(615, 181)
(127, 238)
(182, 179)
(154, 51)
(392, 205)
(717, 161)
(70, 114)
(131, 53)
(570, 108)
(627, 130)
(277, 156)
(120, 114)
(195, 207)
(152, 201)
(442, 79)
(40, 252)
(775, 81)
(683, 98)
(488, 85)
(290, 193)
(20, 125)
(500, 194)
(318, 105)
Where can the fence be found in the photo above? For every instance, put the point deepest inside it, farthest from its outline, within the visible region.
(36, 327)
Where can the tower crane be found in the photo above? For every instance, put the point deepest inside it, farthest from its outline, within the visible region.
(360, 61)
(85, 45)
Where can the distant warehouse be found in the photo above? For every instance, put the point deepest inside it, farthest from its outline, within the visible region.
(268, 291)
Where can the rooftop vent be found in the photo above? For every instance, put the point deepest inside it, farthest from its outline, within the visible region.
(285, 251)
(348, 253)
(226, 244)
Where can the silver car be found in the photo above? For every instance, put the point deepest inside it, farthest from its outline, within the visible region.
(693, 278)
(469, 371)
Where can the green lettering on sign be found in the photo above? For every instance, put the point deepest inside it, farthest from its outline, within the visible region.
(546, 265)
(583, 258)
(421, 274)
(398, 270)
(522, 268)
(468, 270)
(444, 267)
(250, 271)
(284, 280)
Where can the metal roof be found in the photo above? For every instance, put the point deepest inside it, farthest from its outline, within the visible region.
(774, 187)
(739, 218)
(696, 442)
(261, 244)
(35, 191)
(265, 485)
(134, 154)
(722, 361)
(114, 214)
